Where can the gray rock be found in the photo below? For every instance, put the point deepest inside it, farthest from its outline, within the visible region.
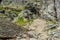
(19, 2)
(57, 4)
(24, 36)
(51, 26)
(48, 10)
(11, 15)
(9, 29)
(26, 14)
(48, 16)
(39, 36)
(49, 38)
(54, 34)
(57, 33)
(32, 34)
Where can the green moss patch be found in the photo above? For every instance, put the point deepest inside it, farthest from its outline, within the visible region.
(22, 21)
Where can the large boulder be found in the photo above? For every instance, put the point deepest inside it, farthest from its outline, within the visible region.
(9, 29)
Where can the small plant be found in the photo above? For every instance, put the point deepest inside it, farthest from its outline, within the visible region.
(22, 21)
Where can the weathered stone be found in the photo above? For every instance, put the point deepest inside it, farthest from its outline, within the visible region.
(57, 33)
(33, 39)
(48, 38)
(11, 15)
(31, 34)
(48, 10)
(8, 29)
(26, 14)
(57, 4)
(14, 2)
(48, 17)
(51, 26)
(54, 34)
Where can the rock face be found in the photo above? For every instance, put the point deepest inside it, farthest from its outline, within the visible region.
(16, 2)
(49, 10)
(57, 4)
(11, 15)
(8, 29)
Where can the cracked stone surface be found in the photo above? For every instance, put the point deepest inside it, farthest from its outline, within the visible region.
(46, 26)
(9, 29)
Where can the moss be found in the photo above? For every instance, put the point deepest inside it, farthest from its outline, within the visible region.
(21, 21)
(1, 7)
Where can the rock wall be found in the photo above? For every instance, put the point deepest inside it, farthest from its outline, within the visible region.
(47, 13)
